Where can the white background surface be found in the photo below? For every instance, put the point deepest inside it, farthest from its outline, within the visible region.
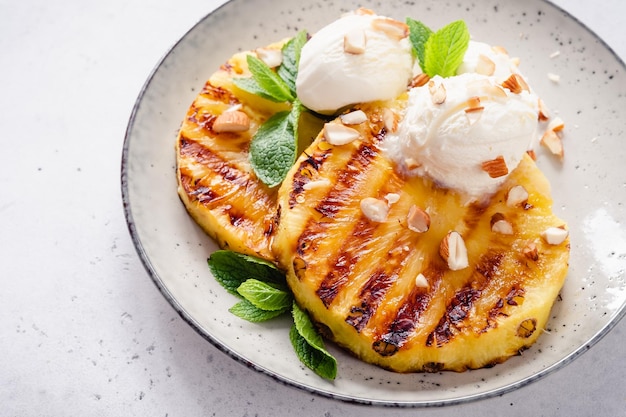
(83, 330)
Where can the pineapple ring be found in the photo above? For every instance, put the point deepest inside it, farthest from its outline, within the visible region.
(384, 289)
(216, 182)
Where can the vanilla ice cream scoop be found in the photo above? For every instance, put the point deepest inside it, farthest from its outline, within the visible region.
(465, 132)
(358, 58)
(485, 59)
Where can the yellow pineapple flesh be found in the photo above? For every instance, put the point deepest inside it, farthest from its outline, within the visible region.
(216, 182)
(384, 291)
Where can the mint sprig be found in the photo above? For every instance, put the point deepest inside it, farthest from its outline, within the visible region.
(231, 269)
(264, 82)
(273, 147)
(288, 69)
(265, 295)
(439, 53)
(248, 311)
(309, 345)
(418, 35)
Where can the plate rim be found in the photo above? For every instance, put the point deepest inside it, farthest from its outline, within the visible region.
(194, 324)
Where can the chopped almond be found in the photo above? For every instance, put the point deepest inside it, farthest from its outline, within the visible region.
(474, 110)
(364, 11)
(392, 28)
(421, 281)
(438, 92)
(231, 121)
(420, 80)
(338, 134)
(500, 50)
(392, 198)
(485, 66)
(411, 163)
(557, 124)
(418, 220)
(354, 42)
(473, 105)
(543, 111)
(531, 252)
(499, 224)
(555, 235)
(516, 84)
(496, 167)
(555, 78)
(272, 57)
(452, 249)
(312, 185)
(497, 91)
(374, 209)
(390, 121)
(355, 117)
(517, 195)
(553, 142)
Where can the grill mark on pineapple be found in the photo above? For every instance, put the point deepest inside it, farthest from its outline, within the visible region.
(204, 120)
(371, 295)
(201, 116)
(395, 334)
(305, 173)
(222, 183)
(514, 298)
(348, 255)
(218, 93)
(351, 174)
(309, 239)
(456, 312)
(464, 299)
(345, 261)
(404, 323)
(489, 265)
(374, 290)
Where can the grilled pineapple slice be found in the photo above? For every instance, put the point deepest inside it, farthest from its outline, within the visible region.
(379, 286)
(215, 179)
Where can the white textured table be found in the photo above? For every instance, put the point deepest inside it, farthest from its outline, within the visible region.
(83, 330)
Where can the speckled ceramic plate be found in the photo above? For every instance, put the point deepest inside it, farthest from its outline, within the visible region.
(589, 189)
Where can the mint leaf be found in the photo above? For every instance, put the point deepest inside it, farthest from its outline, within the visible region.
(444, 50)
(248, 311)
(288, 70)
(309, 345)
(265, 82)
(297, 108)
(418, 35)
(231, 269)
(273, 147)
(265, 296)
(252, 86)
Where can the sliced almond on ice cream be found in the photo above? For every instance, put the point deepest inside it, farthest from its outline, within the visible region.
(496, 167)
(485, 66)
(392, 28)
(354, 42)
(516, 84)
